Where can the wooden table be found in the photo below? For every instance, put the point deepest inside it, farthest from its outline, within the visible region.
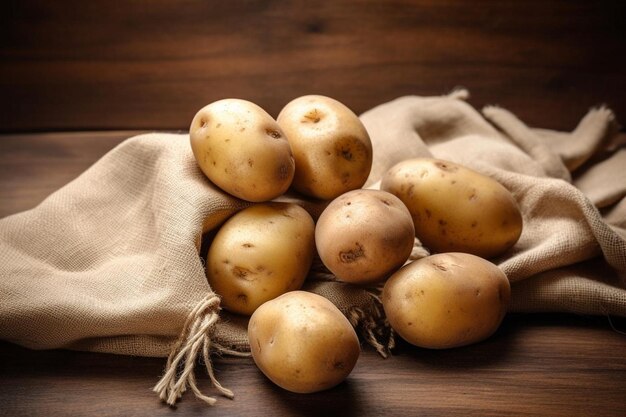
(540, 364)
(100, 65)
(78, 65)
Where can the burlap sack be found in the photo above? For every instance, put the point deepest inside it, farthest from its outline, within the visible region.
(110, 262)
(571, 256)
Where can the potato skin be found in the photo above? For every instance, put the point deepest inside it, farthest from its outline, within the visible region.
(454, 208)
(242, 150)
(446, 300)
(302, 342)
(364, 235)
(332, 148)
(260, 253)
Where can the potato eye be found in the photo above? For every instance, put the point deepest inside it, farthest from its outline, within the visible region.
(273, 133)
(313, 116)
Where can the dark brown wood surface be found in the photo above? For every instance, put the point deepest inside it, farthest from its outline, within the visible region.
(84, 65)
(138, 65)
(535, 365)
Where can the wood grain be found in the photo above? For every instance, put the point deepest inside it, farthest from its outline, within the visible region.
(535, 365)
(140, 65)
(33, 166)
(77, 65)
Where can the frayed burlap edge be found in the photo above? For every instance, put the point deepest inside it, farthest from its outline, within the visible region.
(195, 342)
(195, 337)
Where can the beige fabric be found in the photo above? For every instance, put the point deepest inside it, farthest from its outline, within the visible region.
(559, 179)
(110, 263)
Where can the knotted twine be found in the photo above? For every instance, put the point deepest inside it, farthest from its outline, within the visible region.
(109, 263)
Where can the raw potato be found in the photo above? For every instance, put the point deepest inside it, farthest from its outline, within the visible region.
(364, 235)
(302, 342)
(455, 209)
(260, 253)
(332, 149)
(242, 150)
(446, 300)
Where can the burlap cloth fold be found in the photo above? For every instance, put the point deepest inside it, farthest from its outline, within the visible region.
(571, 188)
(110, 262)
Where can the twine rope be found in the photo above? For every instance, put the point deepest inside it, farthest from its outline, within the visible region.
(184, 353)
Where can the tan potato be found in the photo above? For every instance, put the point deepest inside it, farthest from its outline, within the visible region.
(446, 300)
(302, 342)
(364, 235)
(242, 150)
(260, 253)
(454, 208)
(332, 149)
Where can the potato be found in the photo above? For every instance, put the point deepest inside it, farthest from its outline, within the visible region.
(332, 149)
(302, 342)
(454, 208)
(242, 150)
(260, 253)
(364, 235)
(446, 300)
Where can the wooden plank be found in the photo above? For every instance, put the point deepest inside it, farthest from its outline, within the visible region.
(535, 365)
(151, 65)
(33, 166)
(548, 364)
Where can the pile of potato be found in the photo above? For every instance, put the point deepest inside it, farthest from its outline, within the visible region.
(261, 256)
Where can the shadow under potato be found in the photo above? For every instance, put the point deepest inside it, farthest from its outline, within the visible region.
(487, 353)
(506, 344)
(344, 399)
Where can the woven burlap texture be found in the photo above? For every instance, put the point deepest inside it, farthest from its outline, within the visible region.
(110, 262)
(570, 186)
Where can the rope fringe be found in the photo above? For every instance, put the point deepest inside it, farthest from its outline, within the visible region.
(184, 353)
(374, 327)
